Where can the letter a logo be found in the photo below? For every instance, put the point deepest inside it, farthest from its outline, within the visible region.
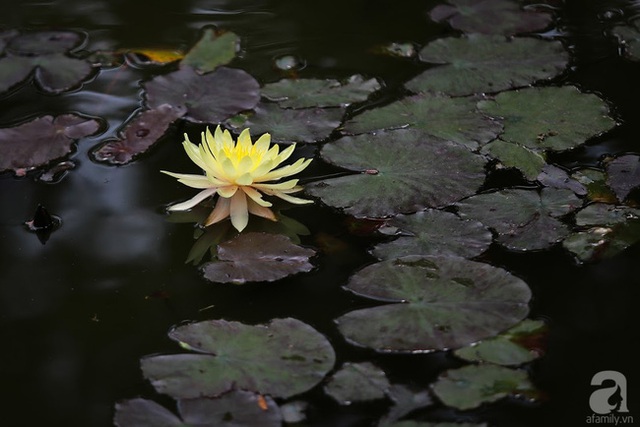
(612, 397)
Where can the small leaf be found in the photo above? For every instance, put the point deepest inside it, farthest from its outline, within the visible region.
(554, 177)
(529, 162)
(623, 175)
(57, 73)
(405, 401)
(144, 413)
(357, 382)
(212, 51)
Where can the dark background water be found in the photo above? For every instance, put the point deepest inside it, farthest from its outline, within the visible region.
(77, 313)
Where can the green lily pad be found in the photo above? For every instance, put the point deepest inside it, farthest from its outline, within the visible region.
(630, 37)
(524, 219)
(287, 125)
(471, 386)
(208, 98)
(516, 346)
(137, 135)
(527, 161)
(357, 382)
(434, 232)
(234, 409)
(400, 172)
(44, 42)
(452, 119)
(257, 257)
(436, 303)
(283, 358)
(304, 93)
(212, 51)
(490, 17)
(554, 177)
(623, 175)
(605, 215)
(405, 401)
(42, 140)
(555, 118)
(478, 63)
(595, 183)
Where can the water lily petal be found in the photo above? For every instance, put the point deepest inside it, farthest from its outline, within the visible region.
(238, 211)
(288, 198)
(228, 169)
(263, 168)
(293, 169)
(256, 196)
(244, 165)
(193, 201)
(260, 211)
(244, 141)
(193, 152)
(191, 180)
(262, 144)
(227, 191)
(220, 212)
(286, 153)
(278, 186)
(244, 179)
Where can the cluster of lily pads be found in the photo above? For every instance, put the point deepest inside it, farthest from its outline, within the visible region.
(417, 164)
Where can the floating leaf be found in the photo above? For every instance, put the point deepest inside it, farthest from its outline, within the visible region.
(434, 232)
(556, 118)
(405, 401)
(44, 42)
(477, 63)
(145, 413)
(357, 382)
(400, 171)
(156, 56)
(209, 98)
(630, 37)
(137, 135)
(605, 215)
(529, 162)
(514, 347)
(283, 358)
(471, 386)
(58, 73)
(42, 140)
(623, 175)
(595, 183)
(523, 219)
(304, 93)
(287, 125)
(257, 257)
(436, 303)
(13, 70)
(554, 177)
(490, 17)
(452, 119)
(212, 51)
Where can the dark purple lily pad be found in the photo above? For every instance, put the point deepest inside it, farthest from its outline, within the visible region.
(42, 140)
(555, 177)
(490, 17)
(44, 42)
(137, 135)
(208, 98)
(623, 175)
(257, 257)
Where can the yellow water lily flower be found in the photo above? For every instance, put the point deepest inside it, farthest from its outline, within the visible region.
(239, 173)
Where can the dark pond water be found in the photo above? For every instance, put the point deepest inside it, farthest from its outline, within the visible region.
(77, 313)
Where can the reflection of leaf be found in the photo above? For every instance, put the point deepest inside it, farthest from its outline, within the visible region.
(623, 175)
(303, 93)
(357, 382)
(42, 140)
(211, 51)
(209, 98)
(471, 386)
(490, 17)
(400, 172)
(437, 303)
(283, 358)
(529, 162)
(257, 257)
(478, 63)
(454, 120)
(137, 135)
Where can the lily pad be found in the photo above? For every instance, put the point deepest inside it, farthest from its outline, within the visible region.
(490, 17)
(208, 98)
(436, 303)
(407, 181)
(283, 358)
(524, 219)
(257, 257)
(630, 37)
(471, 386)
(555, 118)
(42, 140)
(595, 182)
(405, 401)
(357, 382)
(212, 51)
(554, 177)
(304, 93)
(234, 409)
(137, 135)
(434, 232)
(452, 119)
(287, 125)
(44, 42)
(478, 63)
(623, 175)
(527, 161)
(516, 346)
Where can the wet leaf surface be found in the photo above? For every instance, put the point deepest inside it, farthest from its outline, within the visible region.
(471, 386)
(554, 177)
(209, 98)
(434, 232)
(490, 17)
(137, 135)
(283, 358)
(623, 175)
(407, 181)
(436, 303)
(212, 51)
(555, 118)
(44, 42)
(454, 119)
(595, 183)
(524, 219)
(527, 161)
(257, 257)
(357, 382)
(405, 401)
(42, 140)
(305, 93)
(478, 63)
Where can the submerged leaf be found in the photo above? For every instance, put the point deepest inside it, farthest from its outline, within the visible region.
(357, 382)
(623, 175)
(212, 51)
